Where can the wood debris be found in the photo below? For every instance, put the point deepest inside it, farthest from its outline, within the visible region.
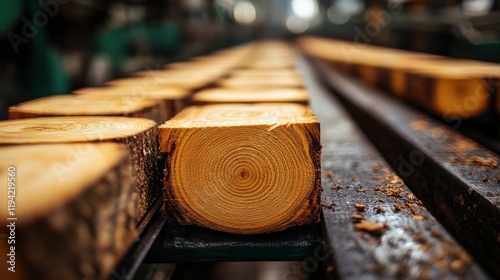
(418, 218)
(462, 147)
(357, 217)
(377, 169)
(489, 162)
(360, 207)
(338, 187)
(370, 227)
(419, 125)
(362, 189)
(328, 174)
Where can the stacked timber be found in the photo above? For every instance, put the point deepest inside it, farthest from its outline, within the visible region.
(90, 175)
(247, 159)
(451, 88)
(87, 175)
(271, 64)
(137, 134)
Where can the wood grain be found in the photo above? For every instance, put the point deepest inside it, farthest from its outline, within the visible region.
(159, 82)
(86, 105)
(74, 203)
(139, 136)
(242, 95)
(174, 99)
(243, 168)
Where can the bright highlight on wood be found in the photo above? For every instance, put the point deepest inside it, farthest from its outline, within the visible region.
(444, 86)
(175, 99)
(243, 168)
(89, 105)
(258, 95)
(257, 82)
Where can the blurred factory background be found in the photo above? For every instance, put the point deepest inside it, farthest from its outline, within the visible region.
(53, 46)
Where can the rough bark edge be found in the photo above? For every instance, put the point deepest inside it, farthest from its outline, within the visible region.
(85, 238)
(144, 155)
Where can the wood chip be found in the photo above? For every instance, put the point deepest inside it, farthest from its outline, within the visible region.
(377, 169)
(362, 189)
(418, 218)
(357, 217)
(419, 125)
(360, 207)
(436, 234)
(370, 227)
(484, 162)
(338, 187)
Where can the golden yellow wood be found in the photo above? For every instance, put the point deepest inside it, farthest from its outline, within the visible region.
(74, 208)
(174, 99)
(139, 136)
(261, 82)
(90, 105)
(243, 168)
(257, 95)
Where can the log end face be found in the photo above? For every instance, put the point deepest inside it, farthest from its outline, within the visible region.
(244, 178)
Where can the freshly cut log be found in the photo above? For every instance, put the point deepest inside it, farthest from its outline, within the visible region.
(87, 105)
(243, 168)
(257, 82)
(140, 136)
(374, 65)
(175, 99)
(74, 209)
(257, 95)
(449, 88)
